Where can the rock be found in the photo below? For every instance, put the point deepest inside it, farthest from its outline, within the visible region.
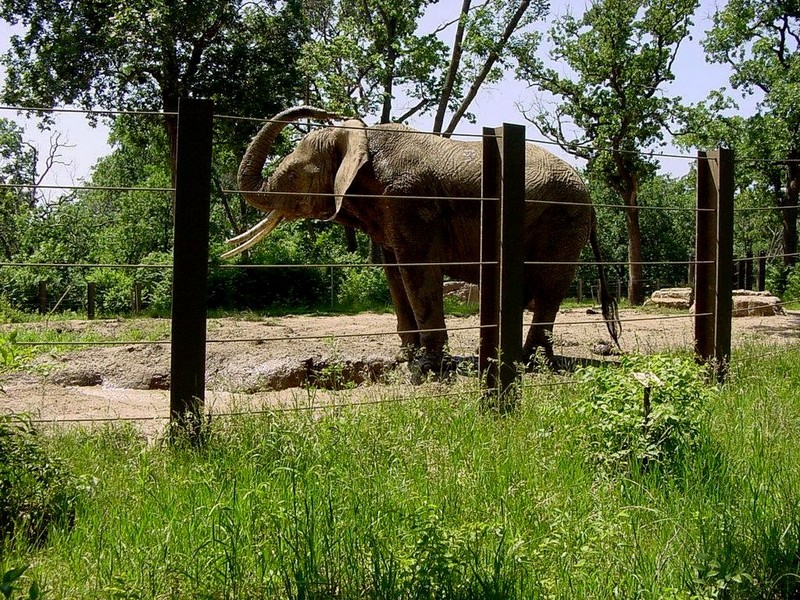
(340, 373)
(283, 373)
(604, 348)
(276, 374)
(680, 298)
(466, 292)
(77, 377)
(747, 303)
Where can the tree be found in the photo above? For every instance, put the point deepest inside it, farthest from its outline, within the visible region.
(362, 51)
(485, 38)
(612, 106)
(760, 42)
(759, 176)
(363, 54)
(667, 222)
(146, 54)
(17, 167)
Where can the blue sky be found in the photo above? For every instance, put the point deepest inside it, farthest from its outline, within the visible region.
(494, 105)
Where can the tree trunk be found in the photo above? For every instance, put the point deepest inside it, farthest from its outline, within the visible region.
(452, 70)
(350, 239)
(635, 267)
(170, 102)
(789, 212)
(629, 189)
(388, 81)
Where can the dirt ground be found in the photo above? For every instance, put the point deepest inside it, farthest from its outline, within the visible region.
(289, 360)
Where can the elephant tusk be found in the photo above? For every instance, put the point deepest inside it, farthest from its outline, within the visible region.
(243, 237)
(253, 235)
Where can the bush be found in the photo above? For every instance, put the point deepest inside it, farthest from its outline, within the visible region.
(623, 429)
(793, 284)
(36, 489)
(363, 288)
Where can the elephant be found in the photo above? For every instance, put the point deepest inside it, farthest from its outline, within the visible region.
(408, 191)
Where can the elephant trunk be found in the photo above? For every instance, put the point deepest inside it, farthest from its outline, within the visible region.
(250, 177)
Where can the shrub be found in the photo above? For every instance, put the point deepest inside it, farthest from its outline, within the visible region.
(623, 429)
(363, 288)
(793, 284)
(36, 489)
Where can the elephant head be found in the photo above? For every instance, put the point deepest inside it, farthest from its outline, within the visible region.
(308, 183)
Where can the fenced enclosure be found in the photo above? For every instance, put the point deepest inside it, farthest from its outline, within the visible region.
(399, 488)
(188, 339)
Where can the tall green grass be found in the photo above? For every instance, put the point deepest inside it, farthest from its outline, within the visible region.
(435, 498)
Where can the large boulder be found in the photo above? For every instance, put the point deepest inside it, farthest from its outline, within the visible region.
(680, 298)
(469, 293)
(747, 303)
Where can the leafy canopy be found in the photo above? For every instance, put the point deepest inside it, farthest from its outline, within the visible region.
(620, 55)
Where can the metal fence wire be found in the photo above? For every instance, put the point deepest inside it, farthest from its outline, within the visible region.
(501, 263)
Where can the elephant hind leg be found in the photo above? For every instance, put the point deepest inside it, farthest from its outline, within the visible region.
(540, 333)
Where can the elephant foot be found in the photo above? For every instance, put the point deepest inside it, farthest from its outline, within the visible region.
(438, 367)
(539, 359)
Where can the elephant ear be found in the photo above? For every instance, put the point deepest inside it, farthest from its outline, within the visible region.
(354, 150)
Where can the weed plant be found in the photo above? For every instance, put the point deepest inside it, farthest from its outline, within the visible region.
(434, 498)
(36, 489)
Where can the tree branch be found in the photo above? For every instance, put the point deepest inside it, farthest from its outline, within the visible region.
(511, 26)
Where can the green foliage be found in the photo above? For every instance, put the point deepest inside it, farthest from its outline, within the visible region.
(784, 281)
(613, 106)
(758, 42)
(442, 561)
(9, 579)
(363, 288)
(362, 56)
(17, 167)
(93, 54)
(793, 284)
(37, 491)
(631, 427)
(12, 356)
(359, 52)
(433, 498)
(668, 230)
(9, 314)
(621, 52)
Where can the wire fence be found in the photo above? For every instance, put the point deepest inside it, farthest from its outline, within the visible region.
(53, 294)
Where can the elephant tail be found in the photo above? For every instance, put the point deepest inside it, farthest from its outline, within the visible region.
(607, 300)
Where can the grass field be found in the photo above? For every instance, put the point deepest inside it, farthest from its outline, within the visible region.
(581, 493)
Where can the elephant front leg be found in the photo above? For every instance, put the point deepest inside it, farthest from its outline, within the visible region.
(423, 286)
(407, 327)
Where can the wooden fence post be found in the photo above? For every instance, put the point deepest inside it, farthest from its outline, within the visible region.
(501, 283)
(748, 270)
(714, 251)
(91, 294)
(136, 297)
(42, 297)
(739, 275)
(190, 266)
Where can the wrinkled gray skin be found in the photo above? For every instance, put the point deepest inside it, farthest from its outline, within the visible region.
(343, 162)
